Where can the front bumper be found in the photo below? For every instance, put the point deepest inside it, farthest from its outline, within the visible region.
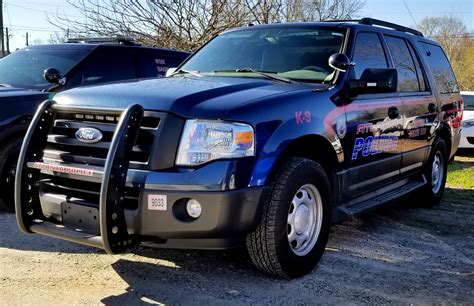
(227, 214)
(467, 138)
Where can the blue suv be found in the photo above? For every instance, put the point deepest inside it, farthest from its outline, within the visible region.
(262, 138)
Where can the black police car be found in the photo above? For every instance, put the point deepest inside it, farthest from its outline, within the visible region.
(264, 137)
(24, 83)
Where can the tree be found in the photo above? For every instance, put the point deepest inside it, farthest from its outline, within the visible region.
(58, 37)
(451, 34)
(187, 24)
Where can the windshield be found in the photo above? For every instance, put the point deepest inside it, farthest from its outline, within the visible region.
(468, 102)
(25, 68)
(299, 53)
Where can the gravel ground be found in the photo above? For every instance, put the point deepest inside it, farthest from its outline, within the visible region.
(397, 254)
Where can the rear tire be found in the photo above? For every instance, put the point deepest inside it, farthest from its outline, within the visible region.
(294, 228)
(8, 162)
(435, 173)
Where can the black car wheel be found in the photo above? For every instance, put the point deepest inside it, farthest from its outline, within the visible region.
(435, 173)
(8, 163)
(295, 222)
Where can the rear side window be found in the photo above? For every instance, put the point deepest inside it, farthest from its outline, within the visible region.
(368, 53)
(419, 70)
(107, 65)
(403, 61)
(441, 69)
(159, 63)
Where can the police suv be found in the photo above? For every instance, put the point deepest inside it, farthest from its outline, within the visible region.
(262, 138)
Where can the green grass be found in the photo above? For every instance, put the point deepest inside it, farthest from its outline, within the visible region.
(461, 173)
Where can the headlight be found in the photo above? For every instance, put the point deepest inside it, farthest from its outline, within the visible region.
(203, 141)
(468, 123)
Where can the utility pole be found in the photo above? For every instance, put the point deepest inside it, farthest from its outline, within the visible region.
(7, 36)
(1, 28)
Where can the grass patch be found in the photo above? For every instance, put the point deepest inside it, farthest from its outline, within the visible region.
(461, 173)
(458, 195)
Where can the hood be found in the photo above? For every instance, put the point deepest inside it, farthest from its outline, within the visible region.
(19, 103)
(199, 97)
(17, 92)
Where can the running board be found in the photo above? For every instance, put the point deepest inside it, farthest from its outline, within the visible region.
(385, 195)
(114, 237)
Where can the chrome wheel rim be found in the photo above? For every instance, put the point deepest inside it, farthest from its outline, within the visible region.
(305, 218)
(437, 172)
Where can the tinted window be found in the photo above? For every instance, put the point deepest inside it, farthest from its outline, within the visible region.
(157, 64)
(106, 65)
(368, 53)
(24, 68)
(407, 78)
(468, 102)
(419, 71)
(441, 69)
(292, 52)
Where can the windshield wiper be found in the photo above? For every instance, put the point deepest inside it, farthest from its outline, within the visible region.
(267, 74)
(192, 72)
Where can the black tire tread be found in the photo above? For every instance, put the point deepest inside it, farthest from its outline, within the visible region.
(10, 149)
(425, 197)
(260, 246)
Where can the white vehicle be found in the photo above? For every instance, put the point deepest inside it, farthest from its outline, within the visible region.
(467, 134)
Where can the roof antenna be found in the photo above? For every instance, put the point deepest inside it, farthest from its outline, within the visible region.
(409, 12)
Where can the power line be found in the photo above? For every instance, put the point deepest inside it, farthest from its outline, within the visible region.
(32, 27)
(25, 8)
(44, 3)
(37, 10)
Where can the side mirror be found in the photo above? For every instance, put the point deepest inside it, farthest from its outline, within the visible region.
(53, 76)
(340, 62)
(170, 72)
(375, 80)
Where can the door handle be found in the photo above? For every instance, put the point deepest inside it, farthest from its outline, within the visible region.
(393, 112)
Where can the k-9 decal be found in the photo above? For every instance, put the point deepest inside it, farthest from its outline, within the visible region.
(301, 117)
(372, 145)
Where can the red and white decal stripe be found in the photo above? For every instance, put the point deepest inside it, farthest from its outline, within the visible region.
(62, 169)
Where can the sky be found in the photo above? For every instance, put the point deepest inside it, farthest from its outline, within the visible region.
(22, 16)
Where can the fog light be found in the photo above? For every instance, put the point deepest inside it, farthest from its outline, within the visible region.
(193, 207)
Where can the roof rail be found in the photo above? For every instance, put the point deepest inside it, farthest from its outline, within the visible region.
(123, 40)
(342, 20)
(371, 21)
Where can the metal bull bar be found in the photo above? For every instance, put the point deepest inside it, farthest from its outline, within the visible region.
(114, 237)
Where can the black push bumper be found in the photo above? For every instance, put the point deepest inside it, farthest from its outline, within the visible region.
(109, 221)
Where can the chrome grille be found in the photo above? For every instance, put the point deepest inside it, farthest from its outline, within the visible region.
(62, 145)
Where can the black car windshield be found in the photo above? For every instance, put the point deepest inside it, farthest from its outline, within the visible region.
(298, 53)
(24, 68)
(468, 102)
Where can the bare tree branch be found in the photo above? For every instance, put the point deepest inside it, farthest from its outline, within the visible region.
(187, 24)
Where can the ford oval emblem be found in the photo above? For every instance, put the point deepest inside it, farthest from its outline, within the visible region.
(89, 135)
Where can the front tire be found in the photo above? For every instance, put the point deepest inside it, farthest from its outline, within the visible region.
(8, 163)
(294, 228)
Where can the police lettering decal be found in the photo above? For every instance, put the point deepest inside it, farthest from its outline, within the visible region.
(372, 145)
(303, 118)
(418, 128)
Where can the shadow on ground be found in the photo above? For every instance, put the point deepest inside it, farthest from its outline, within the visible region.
(394, 254)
